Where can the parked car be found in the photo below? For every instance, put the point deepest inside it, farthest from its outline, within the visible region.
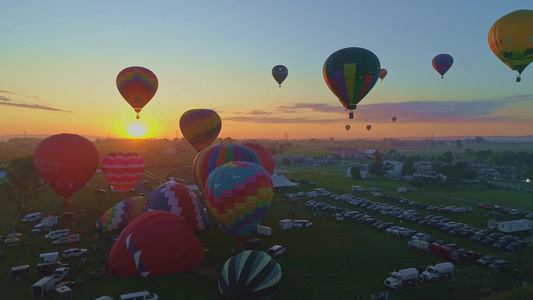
(60, 273)
(499, 264)
(73, 252)
(73, 238)
(471, 256)
(486, 260)
(252, 244)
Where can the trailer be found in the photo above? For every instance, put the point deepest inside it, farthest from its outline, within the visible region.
(285, 224)
(264, 230)
(43, 287)
(418, 244)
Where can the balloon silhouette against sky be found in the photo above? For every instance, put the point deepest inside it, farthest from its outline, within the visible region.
(280, 73)
(137, 85)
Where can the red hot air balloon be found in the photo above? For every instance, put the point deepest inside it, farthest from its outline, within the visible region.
(267, 159)
(153, 244)
(393, 119)
(137, 85)
(442, 63)
(382, 74)
(66, 162)
(368, 127)
(122, 170)
(200, 127)
(347, 127)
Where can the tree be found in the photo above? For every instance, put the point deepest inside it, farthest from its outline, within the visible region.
(355, 172)
(281, 149)
(459, 144)
(286, 162)
(469, 152)
(23, 182)
(478, 140)
(408, 168)
(380, 168)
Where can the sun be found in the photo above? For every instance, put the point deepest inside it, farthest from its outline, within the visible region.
(136, 130)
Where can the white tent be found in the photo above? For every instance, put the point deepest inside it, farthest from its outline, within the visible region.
(281, 181)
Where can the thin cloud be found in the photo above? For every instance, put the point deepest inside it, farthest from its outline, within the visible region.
(12, 101)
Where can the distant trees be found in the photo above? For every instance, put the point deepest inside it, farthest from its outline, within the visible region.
(459, 144)
(408, 168)
(355, 172)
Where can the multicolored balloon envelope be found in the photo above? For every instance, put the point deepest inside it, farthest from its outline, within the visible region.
(122, 170)
(238, 195)
(153, 244)
(511, 39)
(137, 85)
(382, 74)
(267, 159)
(250, 275)
(66, 162)
(121, 214)
(210, 158)
(280, 73)
(442, 63)
(181, 201)
(200, 127)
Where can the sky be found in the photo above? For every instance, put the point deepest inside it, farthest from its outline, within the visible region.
(59, 61)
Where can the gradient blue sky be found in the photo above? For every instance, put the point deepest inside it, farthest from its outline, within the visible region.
(59, 61)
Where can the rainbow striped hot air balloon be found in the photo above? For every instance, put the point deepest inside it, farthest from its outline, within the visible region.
(200, 127)
(239, 195)
(121, 214)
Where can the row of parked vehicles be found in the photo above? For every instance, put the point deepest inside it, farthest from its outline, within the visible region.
(412, 276)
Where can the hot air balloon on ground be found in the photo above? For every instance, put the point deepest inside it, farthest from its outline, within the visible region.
(138, 86)
(210, 158)
(382, 74)
(153, 244)
(181, 201)
(279, 73)
(238, 195)
(347, 127)
(200, 127)
(394, 119)
(368, 127)
(66, 162)
(351, 73)
(511, 40)
(250, 275)
(121, 214)
(442, 63)
(267, 159)
(122, 170)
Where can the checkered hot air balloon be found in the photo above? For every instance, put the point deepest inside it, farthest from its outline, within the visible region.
(137, 85)
(200, 127)
(121, 214)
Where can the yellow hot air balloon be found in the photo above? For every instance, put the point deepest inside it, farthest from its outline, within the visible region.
(511, 39)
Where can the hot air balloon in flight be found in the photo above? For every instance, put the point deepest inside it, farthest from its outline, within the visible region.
(267, 159)
(122, 170)
(251, 275)
(181, 201)
(393, 119)
(279, 73)
(351, 73)
(121, 214)
(153, 244)
(511, 40)
(200, 127)
(137, 85)
(382, 74)
(347, 127)
(210, 158)
(238, 194)
(368, 127)
(66, 162)
(442, 63)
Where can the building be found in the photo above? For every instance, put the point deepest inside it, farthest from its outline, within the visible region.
(509, 225)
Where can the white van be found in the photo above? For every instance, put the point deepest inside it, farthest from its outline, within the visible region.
(144, 295)
(57, 234)
(302, 223)
(276, 250)
(47, 257)
(32, 217)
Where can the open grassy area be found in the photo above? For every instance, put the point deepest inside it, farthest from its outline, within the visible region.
(331, 260)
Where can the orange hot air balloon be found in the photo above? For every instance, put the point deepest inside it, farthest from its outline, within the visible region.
(137, 85)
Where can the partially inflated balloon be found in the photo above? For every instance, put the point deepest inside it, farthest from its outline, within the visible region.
(347, 127)
(238, 194)
(511, 40)
(279, 73)
(122, 170)
(137, 85)
(351, 73)
(66, 162)
(368, 127)
(210, 158)
(442, 63)
(121, 214)
(200, 127)
(267, 159)
(382, 74)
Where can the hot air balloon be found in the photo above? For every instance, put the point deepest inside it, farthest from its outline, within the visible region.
(238, 194)
(442, 63)
(511, 40)
(351, 73)
(251, 275)
(210, 158)
(153, 244)
(368, 127)
(347, 127)
(137, 85)
(121, 214)
(200, 127)
(122, 170)
(382, 74)
(181, 201)
(66, 162)
(393, 119)
(279, 73)
(267, 159)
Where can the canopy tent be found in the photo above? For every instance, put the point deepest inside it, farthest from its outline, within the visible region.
(281, 181)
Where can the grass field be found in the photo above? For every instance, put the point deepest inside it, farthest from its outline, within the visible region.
(331, 260)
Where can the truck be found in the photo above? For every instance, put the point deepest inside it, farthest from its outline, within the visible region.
(357, 189)
(42, 287)
(285, 224)
(48, 257)
(443, 251)
(264, 230)
(439, 271)
(46, 224)
(402, 278)
(418, 244)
